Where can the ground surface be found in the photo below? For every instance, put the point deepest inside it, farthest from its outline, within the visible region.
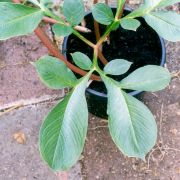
(20, 160)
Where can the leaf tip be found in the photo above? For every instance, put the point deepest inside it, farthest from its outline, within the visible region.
(33, 63)
(142, 157)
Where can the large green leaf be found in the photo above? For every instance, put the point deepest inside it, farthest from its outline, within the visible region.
(102, 13)
(63, 133)
(54, 73)
(160, 3)
(149, 6)
(6, 1)
(117, 67)
(166, 24)
(74, 11)
(147, 78)
(131, 124)
(62, 30)
(17, 19)
(82, 60)
(130, 24)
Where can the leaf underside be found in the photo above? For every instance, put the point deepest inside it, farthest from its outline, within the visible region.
(63, 133)
(102, 13)
(131, 124)
(147, 78)
(117, 67)
(74, 11)
(54, 73)
(62, 30)
(166, 24)
(82, 60)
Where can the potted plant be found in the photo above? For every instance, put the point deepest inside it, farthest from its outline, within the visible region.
(131, 124)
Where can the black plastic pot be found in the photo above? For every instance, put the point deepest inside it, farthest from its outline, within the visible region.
(142, 47)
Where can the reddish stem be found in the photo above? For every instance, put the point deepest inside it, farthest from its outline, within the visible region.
(49, 20)
(17, 1)
(55, 52)
(98, 36)
(102, 58)
(96, 28)
(121, 13)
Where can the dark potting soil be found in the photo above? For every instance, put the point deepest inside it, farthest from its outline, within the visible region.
(142, 47)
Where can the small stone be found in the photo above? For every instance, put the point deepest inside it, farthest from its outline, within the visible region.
(174, 131)
(20, 137)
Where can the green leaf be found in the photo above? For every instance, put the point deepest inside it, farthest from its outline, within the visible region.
(131, 124)
(102, 13)
(62, 30)
(149, 6)
(166, 24)
(168, 2)
(117, 67)
(17, 19)
(141, 11)
(63, 133)
(6, 0)
(74, 11)
(130, 24)
(160, 3)
(147, 78)
(54, 73)
(82, 60)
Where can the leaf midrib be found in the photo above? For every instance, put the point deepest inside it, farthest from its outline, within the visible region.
(132, 127)
(139, 83)
(20, 18)
(168, 22)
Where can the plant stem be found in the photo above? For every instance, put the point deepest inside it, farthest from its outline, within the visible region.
(95, 57)
(16, 1)
(83, 38)
(98, 36)
(102, 58)
(75, 32)
(55, 52)
(102, 39)
(49, 20)
(120, 9)
(96, 26)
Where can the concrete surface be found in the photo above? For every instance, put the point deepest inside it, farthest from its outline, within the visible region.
(22, 161)
(19, 85)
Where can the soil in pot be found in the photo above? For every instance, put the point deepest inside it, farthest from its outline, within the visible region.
(142, 47)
